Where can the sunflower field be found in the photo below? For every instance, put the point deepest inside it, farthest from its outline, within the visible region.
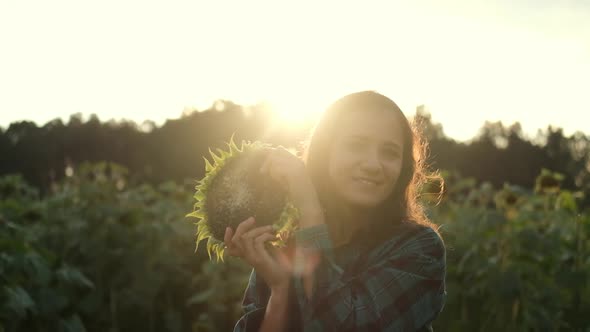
(518, 259)
(101, 252)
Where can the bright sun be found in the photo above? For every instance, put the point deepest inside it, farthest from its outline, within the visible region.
(296, 114)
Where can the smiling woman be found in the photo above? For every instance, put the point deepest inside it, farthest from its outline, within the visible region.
(365, 158)
(366, 258)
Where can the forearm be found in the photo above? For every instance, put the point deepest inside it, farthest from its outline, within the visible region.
(311, 213)
(308, 204)
(308, 285)
(275, 317)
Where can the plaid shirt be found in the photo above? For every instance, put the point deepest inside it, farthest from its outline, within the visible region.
(397, 286)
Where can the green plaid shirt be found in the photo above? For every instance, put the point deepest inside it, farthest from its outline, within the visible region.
(397, 286)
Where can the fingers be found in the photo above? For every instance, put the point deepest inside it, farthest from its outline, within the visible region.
(275, 167)
(230, 247)
(242, 228)
(228, 235)
(254, 245)
(241, 243)
(254, 233)
(271, 157)
(247, 240)
(276, 155)
(260, 240)
(245, 226)
(259, 246)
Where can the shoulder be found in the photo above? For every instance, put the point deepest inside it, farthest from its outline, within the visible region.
(411, 238)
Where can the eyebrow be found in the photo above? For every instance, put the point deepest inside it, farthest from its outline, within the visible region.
(393, 145)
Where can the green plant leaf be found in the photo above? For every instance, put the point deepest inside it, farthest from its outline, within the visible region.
(201, 297)
(18, 301)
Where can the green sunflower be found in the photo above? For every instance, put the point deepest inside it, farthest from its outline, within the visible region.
(548, 182)
(233, 189)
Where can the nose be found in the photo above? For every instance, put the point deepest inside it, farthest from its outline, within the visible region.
(370, 163)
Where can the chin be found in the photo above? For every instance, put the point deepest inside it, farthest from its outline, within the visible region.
(365, 202)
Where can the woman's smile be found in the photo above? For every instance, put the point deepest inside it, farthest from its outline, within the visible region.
(367, 181)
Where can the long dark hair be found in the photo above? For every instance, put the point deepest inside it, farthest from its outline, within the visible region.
(403, 205)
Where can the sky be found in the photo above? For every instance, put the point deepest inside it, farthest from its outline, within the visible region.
(467, 61)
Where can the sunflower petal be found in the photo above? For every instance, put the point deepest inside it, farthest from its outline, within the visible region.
(208, 166)
(218, 160)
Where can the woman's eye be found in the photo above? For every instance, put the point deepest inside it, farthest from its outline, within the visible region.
(390, 153)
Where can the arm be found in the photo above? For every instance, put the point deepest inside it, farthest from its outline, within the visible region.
(402, 290)
(268, 311)
(266, 300)
(253, 304)
(276, 315)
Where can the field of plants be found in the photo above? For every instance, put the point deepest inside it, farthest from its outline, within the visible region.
(101, 253)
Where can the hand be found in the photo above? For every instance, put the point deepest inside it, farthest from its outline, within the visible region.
(290, 171)
(248, 243)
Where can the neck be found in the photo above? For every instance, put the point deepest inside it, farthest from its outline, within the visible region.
(344, 222)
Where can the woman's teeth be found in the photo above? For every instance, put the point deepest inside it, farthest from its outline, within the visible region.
(368, 182)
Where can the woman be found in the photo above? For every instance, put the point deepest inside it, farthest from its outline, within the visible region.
(366, 258)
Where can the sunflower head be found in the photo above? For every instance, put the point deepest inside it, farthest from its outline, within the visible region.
(548, 182)
(509, 200)
(233, 189)
(508, 197)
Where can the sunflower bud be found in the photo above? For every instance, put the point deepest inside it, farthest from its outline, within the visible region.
(548, 182)
(233, 190)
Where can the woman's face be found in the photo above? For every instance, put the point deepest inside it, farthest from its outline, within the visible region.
(366, 158)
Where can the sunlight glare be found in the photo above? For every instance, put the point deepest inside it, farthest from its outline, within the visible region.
(298, 113)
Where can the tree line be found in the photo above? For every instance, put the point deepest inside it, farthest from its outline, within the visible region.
(498, 154)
